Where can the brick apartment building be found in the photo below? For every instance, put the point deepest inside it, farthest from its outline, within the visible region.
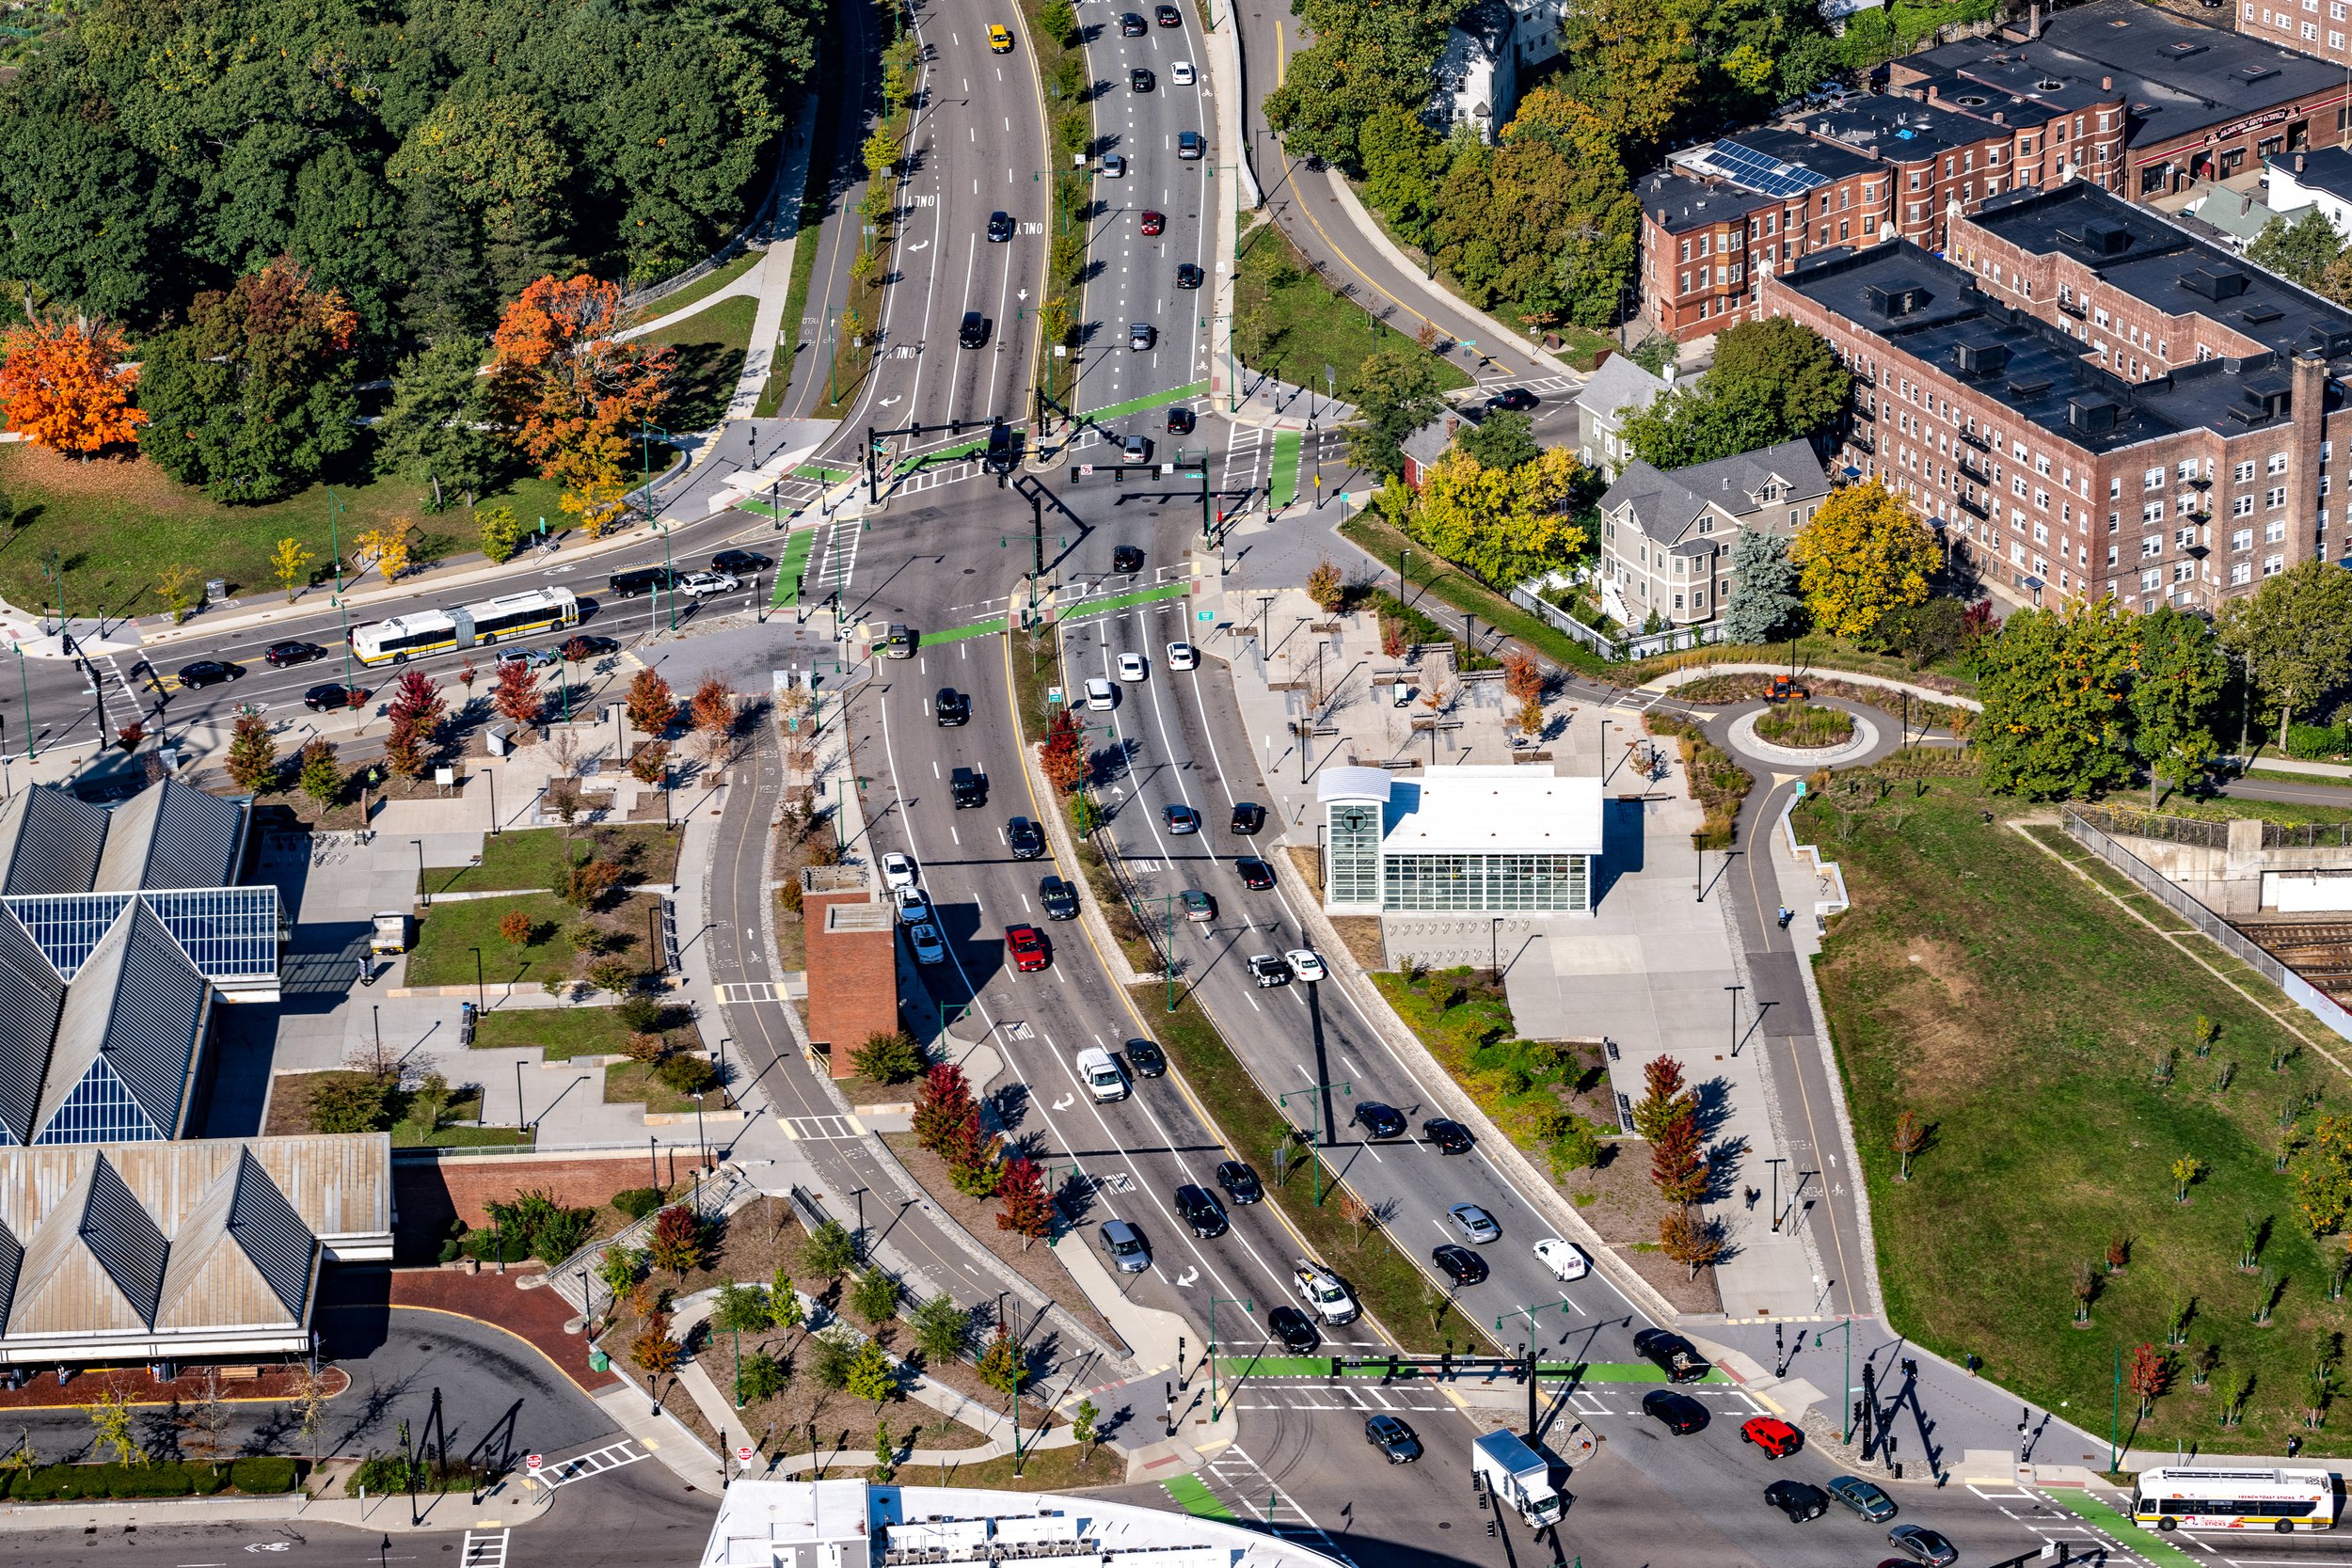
(2088, 401)
(2117, 94)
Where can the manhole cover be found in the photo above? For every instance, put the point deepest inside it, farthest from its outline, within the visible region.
(969, 570)
(926, 513)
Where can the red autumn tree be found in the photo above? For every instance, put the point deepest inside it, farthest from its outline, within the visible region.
(415, 713)
(712, 710)
(651, 705)
(569, 394)
(60, 387)
(517, 697)
(942, 1104)
(1029, 1211)
(1062, 753)
(1677, 1165)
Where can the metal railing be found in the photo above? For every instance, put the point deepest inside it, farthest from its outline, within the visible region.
(2148, 824)
(1617, 650)
(2306, 835)
(2224, 935)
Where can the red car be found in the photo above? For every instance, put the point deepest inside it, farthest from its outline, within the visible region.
(1154, 222)
(1028, 948)
(1775, 1437)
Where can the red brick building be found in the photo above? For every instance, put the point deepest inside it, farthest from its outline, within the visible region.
(853, 943)
(2095, 402)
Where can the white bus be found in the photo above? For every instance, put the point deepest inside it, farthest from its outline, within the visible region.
(2202, 1499)
(406, 637)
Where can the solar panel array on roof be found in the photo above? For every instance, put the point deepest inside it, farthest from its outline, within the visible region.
(1761, 172)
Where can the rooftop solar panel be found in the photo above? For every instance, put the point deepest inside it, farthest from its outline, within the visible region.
(1761, 172)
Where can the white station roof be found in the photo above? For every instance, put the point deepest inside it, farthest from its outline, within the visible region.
(1478, 810)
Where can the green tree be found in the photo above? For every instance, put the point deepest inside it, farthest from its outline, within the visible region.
(2055, 687)
(2176, 681)
(433, 432)
(741, 1310)
(1764, 602)
(502, 532)
(1081, 1427)
(1001, 1366)
(2294, 636)
(871, 1374)
(1862, 553)
(253, 396)
(350, 1102)
(874, 1296)
(1773, 381)
(764, 1376)
(1504, 440)
(322, 777)
(252, 752)
(2301, 249)
(1396, 393)
(830, 1354)
(1508, 525)
(784, 1301)
(895, 1058)
(829, 1252)
(942, 1328)
(619, 1269)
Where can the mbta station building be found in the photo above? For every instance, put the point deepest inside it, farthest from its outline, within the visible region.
(1467, 840)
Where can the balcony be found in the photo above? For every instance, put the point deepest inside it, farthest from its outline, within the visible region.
(1977, 471)
(1970, 439)
(1862, 412)
(1862, 443)
(1975, 509)
(2075, 308)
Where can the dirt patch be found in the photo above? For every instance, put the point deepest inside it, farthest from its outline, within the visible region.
(1930, 998)
(1360, 935)
(1616, 1200)
(1036, 1265)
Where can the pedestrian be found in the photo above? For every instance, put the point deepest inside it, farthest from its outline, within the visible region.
(1787, 914)
(1753, 1194)
(2295, 1445)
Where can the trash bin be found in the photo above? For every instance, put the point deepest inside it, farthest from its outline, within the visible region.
(599, 1362)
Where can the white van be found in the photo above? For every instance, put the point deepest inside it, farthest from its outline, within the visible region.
(1104, 1079)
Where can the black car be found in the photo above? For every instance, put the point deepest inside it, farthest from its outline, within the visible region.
(1290, 1325)
(1519, 399)
(974, 332)
(639, 581)
(1189, 277)
(1672, 1354)
(1126, 558)
(1140, 80)
(999, 228)
(968, 788)
(1240, 1182)
(1797, 1500)
(1180, 421)
(1389, 1433)
(1130, 26)
(1448, 1136)
(584, 647)
(208, 672)
(1026, 837)
(1181, 818)
(740, 562)
(1248, 817)
(1167, 16)
(1378, 1120)
(1060, 899)
(325, 699)
(278, 654)
(1461, 1265)
(1255, 874)
(1201, 1210)
(951, 707)
(1680, 1413)
(1145, 1059)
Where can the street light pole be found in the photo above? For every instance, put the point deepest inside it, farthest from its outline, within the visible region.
(1317, 1132)
(1246, 1305)
(647, 429)
(1735, 992)
(1848, 1325)
(423, 889)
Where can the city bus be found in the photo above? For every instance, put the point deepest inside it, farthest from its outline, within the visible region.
(2205, 1498)
(427, 631)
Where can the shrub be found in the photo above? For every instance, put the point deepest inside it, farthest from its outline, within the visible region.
(637, 1202)
(208, 1479)
(638, 1014)
(890, 1058)
(2311, 741)
(54, 1482)
(831, 1353)
(686, 1073)
(148, 1480)
(617, 975)
(350, 1102)
(764, 1376)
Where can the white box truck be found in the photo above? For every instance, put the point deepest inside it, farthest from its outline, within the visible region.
(1517, 1475)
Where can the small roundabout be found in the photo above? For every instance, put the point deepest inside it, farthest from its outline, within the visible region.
(1805, 734)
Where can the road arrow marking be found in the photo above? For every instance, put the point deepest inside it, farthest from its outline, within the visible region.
(1065, 1103)
(1189, 1275)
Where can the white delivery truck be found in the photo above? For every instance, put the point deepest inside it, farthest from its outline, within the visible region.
(1102, 1078)
(1517, 1475)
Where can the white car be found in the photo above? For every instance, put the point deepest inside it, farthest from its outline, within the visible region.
(929, 949)
(1130, 668)
(1322, 1291)
(1100, 696)
(1099, 1069)
(897, 871)
(1562, 1258)
(1181, 655)
(1181, 74)
(1114, 167)
(913, 909)
(1305, 964)
(701, 585)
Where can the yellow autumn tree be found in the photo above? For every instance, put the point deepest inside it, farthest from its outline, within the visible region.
(1865, 552)
(1508, 525)
(291, 565)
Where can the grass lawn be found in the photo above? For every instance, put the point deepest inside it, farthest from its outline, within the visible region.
(710, 344)
(1295, 325)
(2021, 1016)
(1035, 668)
(1449, 584)
(1812, 652)
(625, 1083)
(562, 1032)
(530, 858)
(117, 523)
(1046, 1471)
(289, 1114)
(1804, 724)
(1384, 1278)
(701, 288)
(446, 935)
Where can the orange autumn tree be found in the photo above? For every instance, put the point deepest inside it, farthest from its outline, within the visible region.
(61, 387)
(570, 396)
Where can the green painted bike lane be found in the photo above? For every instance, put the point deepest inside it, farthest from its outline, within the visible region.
(2146, 1543)
(1152, 399)
(795, 563)
(1194, 1496)
(1282, 478)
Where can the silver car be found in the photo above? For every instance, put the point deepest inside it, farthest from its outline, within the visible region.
(1476, 1225)
(1124, 1243)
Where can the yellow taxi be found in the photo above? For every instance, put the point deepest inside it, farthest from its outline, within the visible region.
(999, 40)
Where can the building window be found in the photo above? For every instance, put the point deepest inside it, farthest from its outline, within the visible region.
(2275, 532)
(2151, 514)
(1355, 869)
(2242, 506)
(2274, 564)
(2274, 496)
(2241, 573)
(2278, 463)
(2243, 473)
(2152, 547)
(2242, 539)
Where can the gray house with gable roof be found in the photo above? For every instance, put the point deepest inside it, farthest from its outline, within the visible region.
(1666, 538)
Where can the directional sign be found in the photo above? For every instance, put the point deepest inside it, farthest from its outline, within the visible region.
(1204, 616)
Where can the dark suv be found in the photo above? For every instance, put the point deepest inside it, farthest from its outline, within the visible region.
(951, 707)
(1672, 1354)
(1026, 839)
(967, 787)
(1058, 897)
(1201, 1212)
(974, 332)
(644, 580)
(1126, 558)
(1378, 1120)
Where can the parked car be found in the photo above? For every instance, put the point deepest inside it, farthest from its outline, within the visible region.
(1446, 1135)
(1025, 839)
(1146, 1059)
(1775, 1436)
(1679, 1413)
(1379, 1121)
(1293, 1329)
(1461, 1265)
(209, 672)
(897, 871)
(1474, 1224)
(1201, 1212)
(1874, 1506)
(1305, 964)
(1126, 1247)
(280, 655)
(1028, 945)
(1563, 1259)
(1797, 1500)
(1256, 875)
(924, 939)
(1181, 818)
(1060, 898)
(1240, 1182)
(1389, 1433)
(1267, 970)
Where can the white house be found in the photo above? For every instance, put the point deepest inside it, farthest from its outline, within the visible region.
(2320, 178)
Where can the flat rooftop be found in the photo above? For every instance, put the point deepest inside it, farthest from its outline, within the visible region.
(1492, 810)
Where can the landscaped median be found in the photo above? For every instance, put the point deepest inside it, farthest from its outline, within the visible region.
(266, 1476)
